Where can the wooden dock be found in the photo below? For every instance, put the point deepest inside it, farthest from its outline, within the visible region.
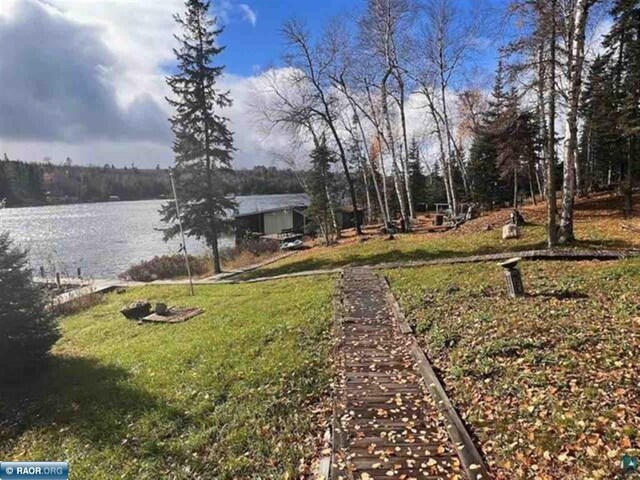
(386, 423)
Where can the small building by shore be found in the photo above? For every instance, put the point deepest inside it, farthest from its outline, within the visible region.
(287, 218)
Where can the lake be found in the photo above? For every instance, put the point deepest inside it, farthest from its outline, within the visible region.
(104, 239)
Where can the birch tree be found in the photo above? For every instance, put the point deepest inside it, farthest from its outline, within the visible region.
(310, 65)
(578, 12)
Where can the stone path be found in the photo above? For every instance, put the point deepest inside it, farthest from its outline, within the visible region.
(386, 424)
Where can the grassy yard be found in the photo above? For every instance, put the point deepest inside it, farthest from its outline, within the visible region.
(549, 382)
(598, 224)
(233, 393)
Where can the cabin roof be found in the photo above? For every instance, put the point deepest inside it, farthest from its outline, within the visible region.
(270, 203)
(271, 210)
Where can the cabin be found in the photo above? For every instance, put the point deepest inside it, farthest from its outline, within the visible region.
(284, 216)
(279, 216)
(273, 222)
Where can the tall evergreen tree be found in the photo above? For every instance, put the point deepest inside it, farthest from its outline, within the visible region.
(321, 189)
(27, 328)
(482, 170)
(483, 156)
(623, 51)
(417, 179)
(203, 144)
(600, 145)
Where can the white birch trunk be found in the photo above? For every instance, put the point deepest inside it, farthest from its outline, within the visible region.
(570, 146)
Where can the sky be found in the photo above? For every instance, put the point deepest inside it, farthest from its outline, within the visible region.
(85, 78)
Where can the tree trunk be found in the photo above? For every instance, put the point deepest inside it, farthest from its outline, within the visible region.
(628, 183)
(347, 173)
(403, 121)
(542, 117)
(391, 144)
(366, 191)
(575, 64)
(551, 170)
(446, 167)
(515, 188)
(531, 189)
(383, 211)
(217, 268)
(385, 188)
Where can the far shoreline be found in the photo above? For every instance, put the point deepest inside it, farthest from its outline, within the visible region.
(59, 204)
(98, 202)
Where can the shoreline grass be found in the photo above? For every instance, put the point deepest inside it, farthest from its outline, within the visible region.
(229, 394)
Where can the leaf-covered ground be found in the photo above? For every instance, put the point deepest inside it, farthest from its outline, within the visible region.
(548, 383)
(233, 393)
(599, 224)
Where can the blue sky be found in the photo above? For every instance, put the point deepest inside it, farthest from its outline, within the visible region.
(251, 48)
(258, 47)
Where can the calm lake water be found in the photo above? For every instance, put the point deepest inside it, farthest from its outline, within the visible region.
(103, 239)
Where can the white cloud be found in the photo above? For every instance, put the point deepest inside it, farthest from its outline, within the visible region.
(248, 14)
(137, 37)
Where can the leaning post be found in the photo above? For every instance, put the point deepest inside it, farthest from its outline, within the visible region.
(184, 243)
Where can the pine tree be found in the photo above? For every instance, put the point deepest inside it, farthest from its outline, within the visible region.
(417, 179)
(483, 156)
(28, 331)
(203, 144)
(600, 147)
(436, 190)
(320, 186)
(623, 53)
(482, 170)
(499, 98)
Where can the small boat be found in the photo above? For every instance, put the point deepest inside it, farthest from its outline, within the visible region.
(293, 245)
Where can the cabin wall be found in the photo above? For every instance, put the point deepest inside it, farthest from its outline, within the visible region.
(276, 222)
(299, 221)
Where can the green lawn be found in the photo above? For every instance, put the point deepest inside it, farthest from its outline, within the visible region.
(549, 382)
(229, 394)
(598, 225)
(377, 249)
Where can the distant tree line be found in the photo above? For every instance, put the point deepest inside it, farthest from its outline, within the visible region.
(24, 183)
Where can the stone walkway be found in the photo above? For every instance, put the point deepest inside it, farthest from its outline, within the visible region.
(386, 424)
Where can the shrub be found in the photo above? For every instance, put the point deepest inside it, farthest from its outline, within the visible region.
(247, 252)
(27, 329)
(165, 267)
(79, 304)
(255, 247)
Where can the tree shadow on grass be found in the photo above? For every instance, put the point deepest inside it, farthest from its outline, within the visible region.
(560, 295)
(81, 397)
(396, 255)
(613, 244)
(423, 254)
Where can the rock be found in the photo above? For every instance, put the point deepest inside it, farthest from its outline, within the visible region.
(161, 308)
(510, 231)
(488, 227)
(137, 310)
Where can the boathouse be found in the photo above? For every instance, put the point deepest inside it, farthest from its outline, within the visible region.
(279, 216)
(283, 215)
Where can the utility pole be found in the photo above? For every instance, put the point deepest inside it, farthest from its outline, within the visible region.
(184, 243)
